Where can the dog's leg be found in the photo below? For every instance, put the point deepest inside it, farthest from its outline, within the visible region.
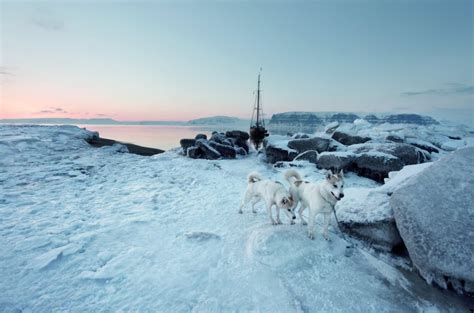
(269, 212)
(254, 201)
(278, 214)
(327, 217)
(245, 200)
(300, 213)
(311, 223)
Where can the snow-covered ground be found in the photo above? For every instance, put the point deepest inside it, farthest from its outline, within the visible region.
(87, 229)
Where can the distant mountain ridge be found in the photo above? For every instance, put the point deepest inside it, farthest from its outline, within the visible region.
(308, 121)
(216, 120)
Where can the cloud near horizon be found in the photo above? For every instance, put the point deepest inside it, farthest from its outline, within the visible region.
(51, 110)
(453, 89)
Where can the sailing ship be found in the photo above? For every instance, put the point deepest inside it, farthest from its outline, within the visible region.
(257, 124)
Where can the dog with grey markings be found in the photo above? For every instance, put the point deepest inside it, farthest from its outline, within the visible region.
(272, 193)
(320, 197)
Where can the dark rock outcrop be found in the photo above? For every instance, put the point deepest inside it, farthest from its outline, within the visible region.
(219, 145)
(376, 165)
(97, 141)
(336, 160)
(394, 138)
(275, 154)
(209, 152)
(225, 150)
(347, 139)
(187, 143)
(310, 156)
(314, 143)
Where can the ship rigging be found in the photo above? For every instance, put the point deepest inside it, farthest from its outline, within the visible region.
(257, 124)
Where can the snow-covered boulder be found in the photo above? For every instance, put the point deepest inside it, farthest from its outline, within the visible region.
(421, 144)
(310, 156)
(194, 153)
(434, 213)
(276, 149)
(319, 144)
(201, 136)
(365, 213)
(348, 139)
(407, 154)
(209, 152)
(225, 150)
(331, 127)
(238, 134)
(186, 144)
(336, 160)
(394, 138)
(376, 165)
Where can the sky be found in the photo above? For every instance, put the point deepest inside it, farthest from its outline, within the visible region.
(179, 60)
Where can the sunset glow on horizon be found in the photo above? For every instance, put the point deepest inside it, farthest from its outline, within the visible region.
(177, 61)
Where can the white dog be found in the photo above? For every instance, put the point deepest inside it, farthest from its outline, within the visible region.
(318, 197)
(272, 193)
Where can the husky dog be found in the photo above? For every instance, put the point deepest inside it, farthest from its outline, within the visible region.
(319, 197)
(272, 193)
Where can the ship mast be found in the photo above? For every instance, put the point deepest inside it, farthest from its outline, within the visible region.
(257, 130)
(258, 101)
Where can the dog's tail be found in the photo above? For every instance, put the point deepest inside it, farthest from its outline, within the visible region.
(292, 176)
(253, 177)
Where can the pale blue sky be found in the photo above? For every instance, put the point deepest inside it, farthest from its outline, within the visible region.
(181, 60)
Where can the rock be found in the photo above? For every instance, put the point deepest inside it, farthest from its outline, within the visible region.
(376, 165)
(336, 160)
(347, 139)
(225, 150)
(236, 143)
(382, 235)
(314, 143)
(331, 127)
(310, 156)
(195, 152)
(238, 134)
(434, 215)
(240, 151)
(187, 143)
(394, 138)
(209, 152)
(408, 154)
(366, 214)
(421, 144)
(335, 145)
(275, 154)
(218, 137)
(200, 136)
(276, 149)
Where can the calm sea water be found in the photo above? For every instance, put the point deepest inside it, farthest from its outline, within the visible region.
(154, 136)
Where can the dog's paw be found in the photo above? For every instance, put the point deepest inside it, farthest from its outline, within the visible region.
(240, 212)
(304, 223)
(278, 222)
(326, 237)
(292, 222)
(274, 222)
(311, 236)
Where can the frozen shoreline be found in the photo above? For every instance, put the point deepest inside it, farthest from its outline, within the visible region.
(86, 229)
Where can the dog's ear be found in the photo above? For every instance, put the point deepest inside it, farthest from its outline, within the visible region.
(329, 175)
(298, 183)
(341, 173)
